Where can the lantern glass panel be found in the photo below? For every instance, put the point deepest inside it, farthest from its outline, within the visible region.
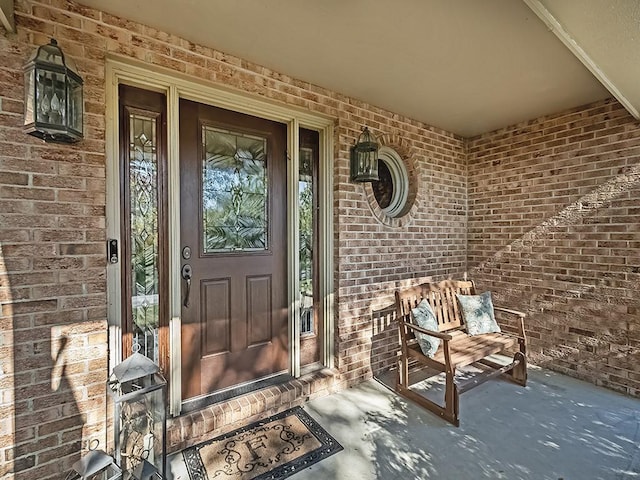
(29, 93)
(42, 96)
(141, 416)
(141, 430)
(111, 473)
(51, 95)
(74, 111)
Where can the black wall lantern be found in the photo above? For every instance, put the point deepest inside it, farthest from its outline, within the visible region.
(53, 96)
(364, 158)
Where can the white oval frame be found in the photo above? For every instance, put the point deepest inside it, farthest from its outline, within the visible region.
(399, 178)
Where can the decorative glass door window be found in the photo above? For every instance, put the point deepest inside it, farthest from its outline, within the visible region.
(234, 196)
(308, 227)
(143, 224)
(143, 198)
(305, 201)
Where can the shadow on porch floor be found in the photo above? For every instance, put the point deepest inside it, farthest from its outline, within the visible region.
(555, 428)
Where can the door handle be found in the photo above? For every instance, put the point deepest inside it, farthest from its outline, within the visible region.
(187, 273)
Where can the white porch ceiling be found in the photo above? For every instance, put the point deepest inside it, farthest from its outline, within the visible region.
(466, 66)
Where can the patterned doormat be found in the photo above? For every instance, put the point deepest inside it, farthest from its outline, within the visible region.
(274, 448)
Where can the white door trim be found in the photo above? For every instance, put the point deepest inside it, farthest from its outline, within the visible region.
(120, 70)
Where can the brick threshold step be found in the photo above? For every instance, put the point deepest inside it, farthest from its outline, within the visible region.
(197, 426)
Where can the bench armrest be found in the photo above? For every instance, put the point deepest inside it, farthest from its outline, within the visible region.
(443, 336)
(521, 332)
(513, 312)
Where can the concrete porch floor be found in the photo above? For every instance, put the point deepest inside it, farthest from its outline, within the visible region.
(556, 428)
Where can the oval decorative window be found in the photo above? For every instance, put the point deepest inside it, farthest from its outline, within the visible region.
(392, 190)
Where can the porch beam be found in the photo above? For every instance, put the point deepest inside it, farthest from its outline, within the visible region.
(6, 15)
(577, 49)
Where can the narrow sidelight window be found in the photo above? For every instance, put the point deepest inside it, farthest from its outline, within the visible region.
(308, 240)
(143, 213)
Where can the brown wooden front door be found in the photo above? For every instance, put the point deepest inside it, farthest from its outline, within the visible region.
(233, 236)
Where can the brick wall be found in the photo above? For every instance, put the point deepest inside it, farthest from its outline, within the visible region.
(53, 340)
(554, 229)
(53, 337)
(552, 223)
(377, 255)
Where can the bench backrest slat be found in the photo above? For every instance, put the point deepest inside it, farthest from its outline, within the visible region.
(442, 298)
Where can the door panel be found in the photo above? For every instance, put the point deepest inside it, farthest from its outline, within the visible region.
(233, 219)
(259, 318)
(216, 316)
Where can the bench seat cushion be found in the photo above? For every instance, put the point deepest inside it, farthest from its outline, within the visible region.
(466, 349)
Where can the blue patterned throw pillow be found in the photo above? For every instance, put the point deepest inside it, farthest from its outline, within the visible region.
(477, 312)
(424, 317)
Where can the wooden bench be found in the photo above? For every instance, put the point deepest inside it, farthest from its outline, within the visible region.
(457, 348)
